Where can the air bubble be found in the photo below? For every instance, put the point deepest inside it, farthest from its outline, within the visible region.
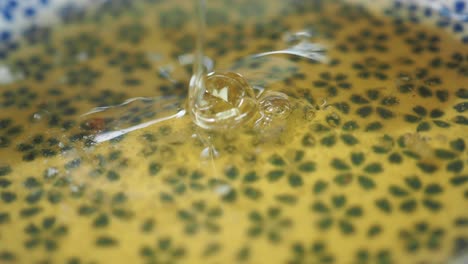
(309, 113)
(227, 101)
(37, 116)
(275, 105)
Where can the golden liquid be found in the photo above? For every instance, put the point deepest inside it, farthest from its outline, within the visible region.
(155, 165)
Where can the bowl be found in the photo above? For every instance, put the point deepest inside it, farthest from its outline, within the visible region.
(293, 131)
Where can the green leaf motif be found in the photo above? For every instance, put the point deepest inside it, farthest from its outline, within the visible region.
(339, 201)
(432, 205)
(397, 191)
(385, 113)
(295, 180)
(349, 140)
(441, 124)
(412, 118)
(339, 164)
(320, 207)
(275, 175)
(423, 126)
(373, 168)
(445, 154)
(357, 158)
(366, 182)
(307, 166)
(251, 177)
(413, 182)
(343, 179)
(319, 187)
(346, 227)
(277, 160)
(433, 189)
(364, 111)
(106, 241)
(384, 205)
(421, 111)
(427, 167)
(354, 211)
(459, 180)
(408, 205)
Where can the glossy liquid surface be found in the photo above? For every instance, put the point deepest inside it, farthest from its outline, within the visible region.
(362, 159)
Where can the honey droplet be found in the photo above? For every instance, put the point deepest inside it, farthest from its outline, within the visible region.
(228, 100)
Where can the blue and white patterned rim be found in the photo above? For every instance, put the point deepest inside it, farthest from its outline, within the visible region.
(452, 15)
(17, 15)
